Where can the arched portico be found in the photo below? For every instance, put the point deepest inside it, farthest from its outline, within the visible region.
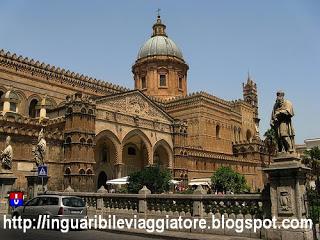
(136, 152)
(163, 154)
(107, 152)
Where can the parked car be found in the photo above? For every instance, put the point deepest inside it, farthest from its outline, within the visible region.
(56, 206)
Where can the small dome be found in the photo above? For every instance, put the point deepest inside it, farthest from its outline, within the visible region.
(160, 45)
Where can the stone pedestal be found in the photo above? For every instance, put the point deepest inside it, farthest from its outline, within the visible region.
(36, 184)
(7, 180)
(287, 177)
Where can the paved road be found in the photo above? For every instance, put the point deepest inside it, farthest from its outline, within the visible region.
(57, 235)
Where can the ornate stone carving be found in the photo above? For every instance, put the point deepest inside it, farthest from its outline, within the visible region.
(6, 155)
(285, 200)
(39, 151)
(134, 104)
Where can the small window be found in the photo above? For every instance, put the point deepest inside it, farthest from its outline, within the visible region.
(104, 154)
(163, 81)
(68, 140)
(82, 172)
(180, 82)
(13, 107)
(69, 110)
(249, 135)
(218, 131)
(131, 151)
(68, 171)
(33, 111)
(1, 102)
(143, 82)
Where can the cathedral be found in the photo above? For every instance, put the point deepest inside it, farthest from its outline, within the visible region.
(96, 131)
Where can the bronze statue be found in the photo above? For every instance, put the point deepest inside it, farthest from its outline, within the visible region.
(6, 155)
(39, 151)
(282, 125)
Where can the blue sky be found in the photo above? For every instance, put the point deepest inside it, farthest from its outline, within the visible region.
(278, 41)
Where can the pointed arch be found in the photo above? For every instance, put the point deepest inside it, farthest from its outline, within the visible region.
(163, 145)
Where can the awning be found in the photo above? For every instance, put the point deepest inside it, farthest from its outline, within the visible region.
(174, 182)
(200, 181)
(119, 181)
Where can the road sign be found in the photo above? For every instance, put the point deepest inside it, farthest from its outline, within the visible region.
(16, 199)
(42, 171)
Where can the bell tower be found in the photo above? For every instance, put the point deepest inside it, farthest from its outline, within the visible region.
(160, 70)
(250, 95)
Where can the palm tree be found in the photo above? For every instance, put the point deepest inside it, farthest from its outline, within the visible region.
(270, 142)
(311, 158)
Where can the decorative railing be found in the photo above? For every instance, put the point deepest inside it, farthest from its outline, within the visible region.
(246, 205)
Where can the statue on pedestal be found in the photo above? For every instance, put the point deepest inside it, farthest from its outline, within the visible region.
(282, 125)
(6, 155)
(39, 151)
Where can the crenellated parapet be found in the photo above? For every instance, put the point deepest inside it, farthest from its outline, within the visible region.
(180, 133)
(255, 149)
(15, 124)
(53, 74)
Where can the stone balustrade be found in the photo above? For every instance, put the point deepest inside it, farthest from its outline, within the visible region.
(174, 204)
(197, 205)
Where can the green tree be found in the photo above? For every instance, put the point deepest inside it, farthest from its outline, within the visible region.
(270, 142)
(225, 179)
(312, 159)
(155, 178)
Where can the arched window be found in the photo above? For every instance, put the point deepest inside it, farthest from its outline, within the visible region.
(89, 171)
(163, 80)
(143, 82)
(1, 101)
(180, 83)
(69, 110)
(33, 111)
(68, 140)
(217, 131)
(82, 172)
(104, 153)
(82, 141)
(67, 171)
(89, 141)
(249, 135)
(90, 111)
(83, 110)
(239, 134)
(131, 151)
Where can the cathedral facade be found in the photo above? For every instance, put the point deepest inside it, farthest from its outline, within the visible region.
(96, 131)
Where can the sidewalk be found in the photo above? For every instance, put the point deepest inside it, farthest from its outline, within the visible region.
(179, 235)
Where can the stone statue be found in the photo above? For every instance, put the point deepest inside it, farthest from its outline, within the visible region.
(6, 155)
(282, 125)
(39, 151)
